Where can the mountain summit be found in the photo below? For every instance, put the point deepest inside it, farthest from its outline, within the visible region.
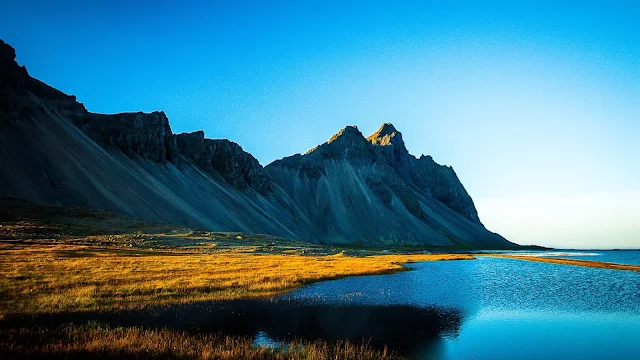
(348, 190)
(386, 135)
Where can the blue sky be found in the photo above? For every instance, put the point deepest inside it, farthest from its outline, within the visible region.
(536, 105)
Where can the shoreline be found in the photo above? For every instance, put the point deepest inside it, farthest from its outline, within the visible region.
(53, 278)
(571, 262)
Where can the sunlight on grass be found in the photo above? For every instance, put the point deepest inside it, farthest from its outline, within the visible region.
(54, 278)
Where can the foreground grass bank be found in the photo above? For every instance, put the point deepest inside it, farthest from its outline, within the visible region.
(573, 262)
(136, 343)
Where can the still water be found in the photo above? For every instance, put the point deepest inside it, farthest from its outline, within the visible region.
(615, 256)
(629, 257)
(503, 308)
(487, 308)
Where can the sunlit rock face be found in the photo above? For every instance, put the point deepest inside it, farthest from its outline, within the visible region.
(349, 190)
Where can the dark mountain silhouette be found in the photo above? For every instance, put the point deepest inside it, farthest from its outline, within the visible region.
(350, 190)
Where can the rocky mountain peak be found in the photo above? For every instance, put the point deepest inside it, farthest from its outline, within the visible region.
(388, 141)
(12, 75)
(348, 143)
(348, 133)
(7, 53)
(387, 135)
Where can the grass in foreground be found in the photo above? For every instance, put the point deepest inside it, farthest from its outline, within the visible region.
(136, 343)
(574, 262)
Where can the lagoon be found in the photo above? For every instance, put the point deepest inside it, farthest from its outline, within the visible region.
(506, 308)
(487, 308)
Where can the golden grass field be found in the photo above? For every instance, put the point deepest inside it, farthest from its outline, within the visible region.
(49, 278)
(43, 278)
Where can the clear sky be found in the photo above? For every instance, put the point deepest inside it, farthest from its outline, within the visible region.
(536, 106)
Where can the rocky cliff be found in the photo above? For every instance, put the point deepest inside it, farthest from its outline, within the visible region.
(350, 190)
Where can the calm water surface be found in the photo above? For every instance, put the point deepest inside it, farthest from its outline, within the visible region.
(505, 308)
(614, 256)
(487, 308)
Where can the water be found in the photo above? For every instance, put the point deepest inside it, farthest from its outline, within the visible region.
(615, 256)
(507, 308)
(629, 257)
(488, 308)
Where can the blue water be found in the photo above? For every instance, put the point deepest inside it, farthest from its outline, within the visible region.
(614, 256)
(503, 308)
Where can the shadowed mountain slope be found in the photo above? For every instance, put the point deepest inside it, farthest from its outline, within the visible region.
(54, 151)
(350, 190)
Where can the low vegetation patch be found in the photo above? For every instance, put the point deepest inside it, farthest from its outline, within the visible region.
(134, 343)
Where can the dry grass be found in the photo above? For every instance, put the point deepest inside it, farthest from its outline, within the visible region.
(103, 342)
(55, 259)
(40, 278)
(574, 262)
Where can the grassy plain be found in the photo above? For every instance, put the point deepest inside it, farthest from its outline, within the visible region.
(43, 278)
(74, 260)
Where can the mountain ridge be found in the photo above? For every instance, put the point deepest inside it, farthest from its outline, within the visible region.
(133, 163)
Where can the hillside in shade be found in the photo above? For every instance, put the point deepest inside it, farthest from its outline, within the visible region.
(349, 190)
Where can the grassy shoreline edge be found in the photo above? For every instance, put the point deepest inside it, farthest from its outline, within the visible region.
(572, 262)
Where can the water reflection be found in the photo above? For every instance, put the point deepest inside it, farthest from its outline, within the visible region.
(485, 308)
(403, 328)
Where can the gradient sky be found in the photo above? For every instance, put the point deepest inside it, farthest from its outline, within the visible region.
(536, 106)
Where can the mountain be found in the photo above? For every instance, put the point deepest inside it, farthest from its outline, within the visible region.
(372, 191)
(350, 190)
(52, 150)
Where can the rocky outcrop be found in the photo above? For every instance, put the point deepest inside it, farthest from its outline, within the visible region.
(442, 183)
(226, 158)
(13, 85)
(12, 76)
(349, 190)
(424, 174)
(147, 136)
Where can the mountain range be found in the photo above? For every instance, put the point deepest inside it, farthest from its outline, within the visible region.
(351, 190)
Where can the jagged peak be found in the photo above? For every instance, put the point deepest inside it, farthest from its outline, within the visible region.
(12, 75)
(387, 135)
(348, 132)
(386, 129)
(7, 52)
